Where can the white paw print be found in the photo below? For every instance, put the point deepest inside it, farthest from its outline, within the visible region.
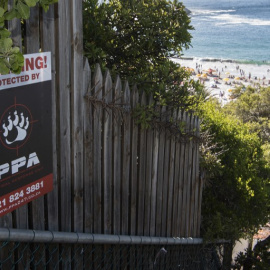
(18, 127)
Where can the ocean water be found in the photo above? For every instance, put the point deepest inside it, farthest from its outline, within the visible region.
(237, 30)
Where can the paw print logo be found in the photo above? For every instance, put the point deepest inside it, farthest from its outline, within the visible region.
(15, 126)
(20, 125)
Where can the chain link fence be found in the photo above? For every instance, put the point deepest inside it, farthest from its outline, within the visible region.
(139, 253)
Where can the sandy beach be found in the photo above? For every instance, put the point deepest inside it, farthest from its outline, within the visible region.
(221, 77)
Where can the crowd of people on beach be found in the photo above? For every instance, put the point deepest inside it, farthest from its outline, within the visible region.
(221, 78)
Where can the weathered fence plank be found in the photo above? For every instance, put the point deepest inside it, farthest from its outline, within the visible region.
(77, 118)
(117, 161)
(63, 60)
(189, 175)
(125, 196)
(64, 110)
(97, 129)
(182, 202)
(165, 188)
(77, 106)
(134, 164)
(88, 151)
(47, 26)
(171, 181)
(176, 211)
(49, 44)
(154, 177)
(142, 174)
(186, 191)
(192, 178)
(148, 177)
(161, 153)
(197, 181)
(107, 154)
(199, 185)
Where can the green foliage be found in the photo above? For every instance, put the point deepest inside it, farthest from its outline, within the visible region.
(235, 197)
(144, 115)
(45, 4)
(253, 108)
(258, 258)
(11, 59)
(135, 39)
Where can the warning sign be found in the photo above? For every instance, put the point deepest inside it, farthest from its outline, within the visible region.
(26, 133)
(37, 68)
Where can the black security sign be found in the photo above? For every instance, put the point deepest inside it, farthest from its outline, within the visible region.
(25, 142)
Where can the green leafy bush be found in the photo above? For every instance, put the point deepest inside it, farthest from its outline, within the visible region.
(135, 39)
(235, 196)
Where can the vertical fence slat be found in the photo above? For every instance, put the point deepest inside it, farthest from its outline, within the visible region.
(77, 118)
(186, 181)
(64, 78)
(117, 159)
(176, 211)
(48, 44)
(189, 176)
(48, 29)
(165, 181)
(126, 161)
(148, 176)
(186, 189)
(154, 178)
(107, 155)
(63, 60)
(171, 180)
(192, 178)
(88, 151)
(107, 160)
(134, 164)
(161, 153)
(196, 178)
(97, 144)
(182, 205)
(141, 179)
(199, 186)
(77, 105)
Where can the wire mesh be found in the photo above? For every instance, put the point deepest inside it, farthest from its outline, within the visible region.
(15, 255)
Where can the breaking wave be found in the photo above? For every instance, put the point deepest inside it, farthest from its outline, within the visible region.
(202, 59)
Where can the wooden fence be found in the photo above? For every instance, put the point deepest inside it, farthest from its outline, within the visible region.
(111, 176)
